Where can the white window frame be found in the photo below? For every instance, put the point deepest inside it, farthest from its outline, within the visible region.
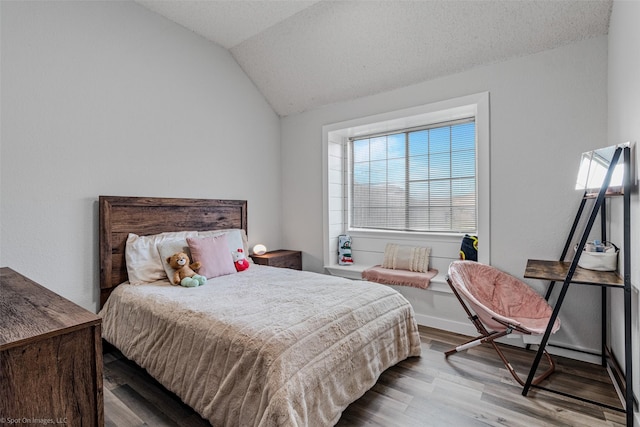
(335, 187)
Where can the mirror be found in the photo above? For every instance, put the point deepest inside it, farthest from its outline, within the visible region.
(593, 168)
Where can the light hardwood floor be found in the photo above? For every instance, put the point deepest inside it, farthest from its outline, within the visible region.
(472, 388)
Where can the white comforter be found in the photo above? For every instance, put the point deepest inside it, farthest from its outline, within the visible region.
(266, 346)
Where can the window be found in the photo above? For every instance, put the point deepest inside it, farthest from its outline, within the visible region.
(416, 176)
(420, 179)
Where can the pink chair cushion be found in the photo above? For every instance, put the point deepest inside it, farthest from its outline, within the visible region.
(493, 293)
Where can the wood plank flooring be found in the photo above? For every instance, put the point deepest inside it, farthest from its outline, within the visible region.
(471, 388)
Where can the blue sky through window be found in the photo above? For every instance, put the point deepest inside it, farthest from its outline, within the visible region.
(422, 179)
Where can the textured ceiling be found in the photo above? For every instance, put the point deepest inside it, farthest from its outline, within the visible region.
(305, 54)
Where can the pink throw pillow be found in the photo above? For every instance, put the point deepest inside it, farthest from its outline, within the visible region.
(214, 255)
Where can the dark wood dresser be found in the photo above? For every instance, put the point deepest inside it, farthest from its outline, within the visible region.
(50, 357)
(280, 258)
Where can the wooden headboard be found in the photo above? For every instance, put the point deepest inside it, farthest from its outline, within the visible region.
(120, 216)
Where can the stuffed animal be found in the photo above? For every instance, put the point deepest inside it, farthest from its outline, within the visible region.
(240, 261)
(185, 274)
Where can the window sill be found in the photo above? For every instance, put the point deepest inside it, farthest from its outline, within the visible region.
(354, 272)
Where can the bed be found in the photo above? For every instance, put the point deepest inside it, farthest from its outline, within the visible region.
(262, 347)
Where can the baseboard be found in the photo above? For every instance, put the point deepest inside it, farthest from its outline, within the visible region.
(515, 340)
(446, 324)
(574, 354)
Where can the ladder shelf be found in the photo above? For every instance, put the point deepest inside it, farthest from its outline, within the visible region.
(568, 272)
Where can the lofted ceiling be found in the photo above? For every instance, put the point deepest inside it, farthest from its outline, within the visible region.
(305, 54)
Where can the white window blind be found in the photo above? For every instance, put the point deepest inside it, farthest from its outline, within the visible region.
(420, 179)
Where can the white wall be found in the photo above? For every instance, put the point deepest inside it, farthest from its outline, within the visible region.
(546, 109)
(108, 98)
(624, 125)
(96, 95)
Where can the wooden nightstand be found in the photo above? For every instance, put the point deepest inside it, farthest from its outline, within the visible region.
(280, 258)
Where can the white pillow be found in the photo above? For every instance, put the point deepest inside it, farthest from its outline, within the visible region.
(412, 258)
(167, 248)
(143, 260)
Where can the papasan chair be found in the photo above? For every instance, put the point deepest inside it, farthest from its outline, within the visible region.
(499, 304)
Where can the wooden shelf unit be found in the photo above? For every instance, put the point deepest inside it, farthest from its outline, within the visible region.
(557, 271)
(568, 272)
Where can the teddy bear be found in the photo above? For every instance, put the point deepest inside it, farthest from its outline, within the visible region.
(240, 261)
(184, 271)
